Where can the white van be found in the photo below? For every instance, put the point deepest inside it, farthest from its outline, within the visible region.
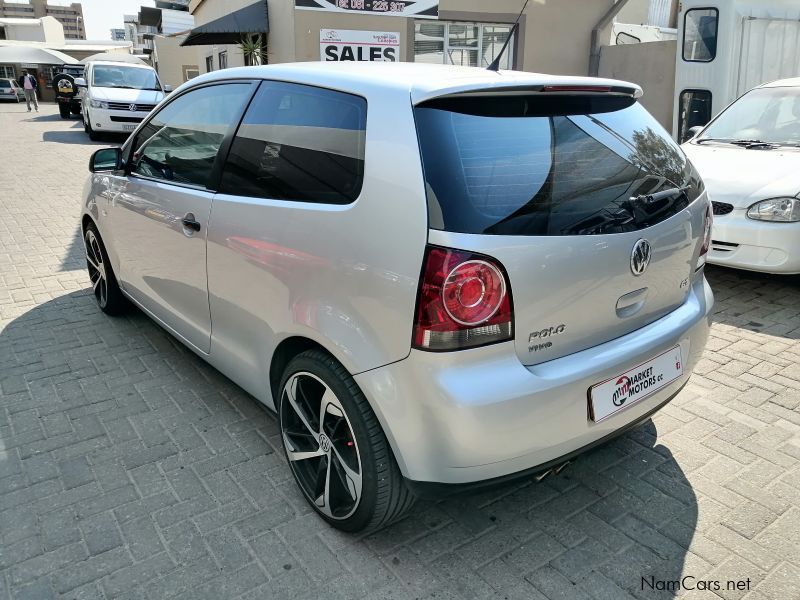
(117, 96)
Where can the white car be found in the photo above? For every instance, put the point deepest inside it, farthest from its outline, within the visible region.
(118, 96)
(749, 158)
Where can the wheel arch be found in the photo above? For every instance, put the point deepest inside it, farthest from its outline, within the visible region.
(85, 220)
(284, 352)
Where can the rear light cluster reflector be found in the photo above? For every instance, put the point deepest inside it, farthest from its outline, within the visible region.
(464, 301)
(707, 223)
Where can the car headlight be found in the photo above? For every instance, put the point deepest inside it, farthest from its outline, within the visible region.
(98, 104)
(781, 210)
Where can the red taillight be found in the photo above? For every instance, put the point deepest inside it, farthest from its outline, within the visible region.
(464, 301)
(707, 223)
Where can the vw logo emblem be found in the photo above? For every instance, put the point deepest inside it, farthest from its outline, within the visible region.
(324, 443)
(640, 257)
(132, 107)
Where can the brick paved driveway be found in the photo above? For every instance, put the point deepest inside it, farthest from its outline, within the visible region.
(130, 469)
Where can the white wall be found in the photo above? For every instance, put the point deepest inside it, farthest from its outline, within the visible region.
(173, 60)
(175, 21)
(46, 29)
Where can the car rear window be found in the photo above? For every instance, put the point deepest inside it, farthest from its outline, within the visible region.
(528, 165)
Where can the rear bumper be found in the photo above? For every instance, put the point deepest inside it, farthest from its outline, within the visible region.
(475, 415)
(755, 245)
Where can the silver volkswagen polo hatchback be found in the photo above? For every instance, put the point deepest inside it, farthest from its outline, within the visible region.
(438, 277)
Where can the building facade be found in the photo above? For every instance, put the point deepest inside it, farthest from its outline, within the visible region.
(118, 34)
(69, 15)
(554, 35)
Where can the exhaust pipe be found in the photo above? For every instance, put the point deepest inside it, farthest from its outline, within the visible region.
(554, 471)
(561, 467)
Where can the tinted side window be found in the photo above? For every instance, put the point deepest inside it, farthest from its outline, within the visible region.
(181, 142)
(298, 142)
(700, 35)
(694, 108)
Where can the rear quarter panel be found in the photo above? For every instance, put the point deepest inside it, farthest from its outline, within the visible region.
(343, 276)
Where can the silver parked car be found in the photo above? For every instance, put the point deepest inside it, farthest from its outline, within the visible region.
(10, 90)
(438, 277)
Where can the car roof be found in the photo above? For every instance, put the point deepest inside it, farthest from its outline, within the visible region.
(118, 63)
(791, 82)
(422, 81)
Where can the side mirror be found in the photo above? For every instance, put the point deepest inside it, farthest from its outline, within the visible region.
(167, 89)
(105, 160)
(80, 82)
(692, 132)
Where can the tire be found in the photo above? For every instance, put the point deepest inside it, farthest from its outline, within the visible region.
(105, 288)
(63, 110)
(87, 127)
(345, 447)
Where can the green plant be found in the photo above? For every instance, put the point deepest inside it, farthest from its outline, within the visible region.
(254, 48)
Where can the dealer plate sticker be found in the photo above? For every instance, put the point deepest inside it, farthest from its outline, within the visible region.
(618, 393)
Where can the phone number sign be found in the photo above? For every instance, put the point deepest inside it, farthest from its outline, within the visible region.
(396, 8)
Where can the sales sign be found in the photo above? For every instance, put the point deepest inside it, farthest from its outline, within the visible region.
(343, 44)
(397, 8)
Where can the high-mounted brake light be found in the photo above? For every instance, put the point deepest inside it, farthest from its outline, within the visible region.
(707, 223)
(464, 301)
(577, 88)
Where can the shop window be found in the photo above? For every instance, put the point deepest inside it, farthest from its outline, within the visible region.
(7, 72)
(190, 72)
(694, 109)
(467, 44)
(626, 38)
(700, 34)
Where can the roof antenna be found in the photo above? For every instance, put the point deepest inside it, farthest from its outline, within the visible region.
(495, 66)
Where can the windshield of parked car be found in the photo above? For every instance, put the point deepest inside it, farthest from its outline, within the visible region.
(770, 115)
(5, 83)
(120, 76)
(537, 165)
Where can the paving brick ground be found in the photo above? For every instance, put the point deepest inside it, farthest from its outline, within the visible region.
(130, 469)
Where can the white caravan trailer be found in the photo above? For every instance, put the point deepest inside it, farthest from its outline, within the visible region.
(727, 47)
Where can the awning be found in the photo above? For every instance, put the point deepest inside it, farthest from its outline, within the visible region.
(230, 28)
(34, 56)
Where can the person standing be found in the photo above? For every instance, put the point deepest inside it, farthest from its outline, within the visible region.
(28, 83)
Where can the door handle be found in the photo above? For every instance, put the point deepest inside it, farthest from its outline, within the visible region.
(189, 222)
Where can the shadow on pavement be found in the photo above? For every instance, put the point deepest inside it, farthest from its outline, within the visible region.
(619, 516)
(76, 135)
(39, 118)
(75, 259)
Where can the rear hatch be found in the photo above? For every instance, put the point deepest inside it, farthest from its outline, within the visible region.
(560, 186)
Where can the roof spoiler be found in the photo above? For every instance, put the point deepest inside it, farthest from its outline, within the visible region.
(555, 89)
